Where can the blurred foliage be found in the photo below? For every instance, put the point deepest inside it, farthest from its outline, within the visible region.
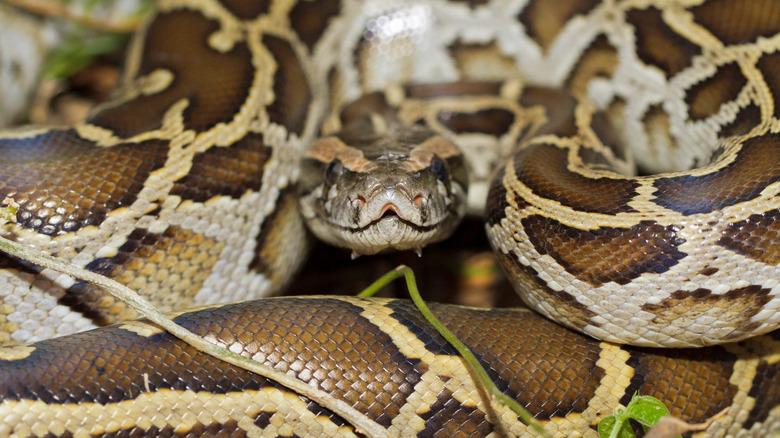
(82, 42)
(78, 50)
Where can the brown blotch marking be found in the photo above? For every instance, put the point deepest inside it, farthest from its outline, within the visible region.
(709, 271)
(757, 237)
(495, 206)
(263, 419)
(542, 168)
(755, 167)
(658, 44)
(595, 159)
(543, 23)
(81, 186)
(735, 307)
(599, 60)
(216, 84)
(225, 171)
(765, 390)
(465, 88)
(357, 114)
(472, 3)
(8, 262)
(292, 94)
(606, 254)
(273, 236)
(739, 22)
(705, 98)
(549, 369)
(321, 411)
(559, 108)
(447, 417)
(228, 428)
(245, 10)
(169, 267)
(692, 383)
(748, 118)
(770, 68)
(361, 55)
(309, 20)
(490, 121)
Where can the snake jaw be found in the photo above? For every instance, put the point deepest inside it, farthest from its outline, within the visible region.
(390, 219)
(370, 211)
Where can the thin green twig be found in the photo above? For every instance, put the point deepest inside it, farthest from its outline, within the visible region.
(468, 356)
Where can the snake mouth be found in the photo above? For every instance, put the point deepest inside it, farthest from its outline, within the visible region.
(389, 210)
(392, 217)
(390, 232)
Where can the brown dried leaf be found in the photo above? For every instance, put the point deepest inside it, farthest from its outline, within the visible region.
(671, 427)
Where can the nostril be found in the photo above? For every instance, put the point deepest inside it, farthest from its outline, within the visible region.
(358, 202)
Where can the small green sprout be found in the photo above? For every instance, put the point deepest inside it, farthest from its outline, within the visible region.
(645, 410)
(8, 209)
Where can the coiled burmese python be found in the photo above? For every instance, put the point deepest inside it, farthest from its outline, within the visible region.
(182, 187)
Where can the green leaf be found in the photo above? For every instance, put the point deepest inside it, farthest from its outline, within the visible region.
(8, 214)
(78, 51)
(607, 425)
(645, 410)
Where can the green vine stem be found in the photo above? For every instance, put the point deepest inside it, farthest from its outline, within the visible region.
(468, 356)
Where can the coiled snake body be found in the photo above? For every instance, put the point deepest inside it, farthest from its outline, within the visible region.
(183, 187)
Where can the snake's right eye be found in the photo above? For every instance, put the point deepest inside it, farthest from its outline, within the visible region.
(333, 172)
(438, 168)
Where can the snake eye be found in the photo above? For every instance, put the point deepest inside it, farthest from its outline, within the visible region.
(438, 168)
(334, 171)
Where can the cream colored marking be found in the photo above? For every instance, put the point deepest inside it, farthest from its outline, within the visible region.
(181, 410)
(16, 352)
(143, 329)
(749, 354)
(31, 131)
(378, 123)
(146, 382)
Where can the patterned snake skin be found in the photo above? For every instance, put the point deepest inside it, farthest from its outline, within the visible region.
(183, 188)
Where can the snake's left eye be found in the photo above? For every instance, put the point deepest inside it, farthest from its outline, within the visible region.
(438, 168)
(334, 171)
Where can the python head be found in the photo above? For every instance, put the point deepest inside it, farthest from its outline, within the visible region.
(378, 185)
